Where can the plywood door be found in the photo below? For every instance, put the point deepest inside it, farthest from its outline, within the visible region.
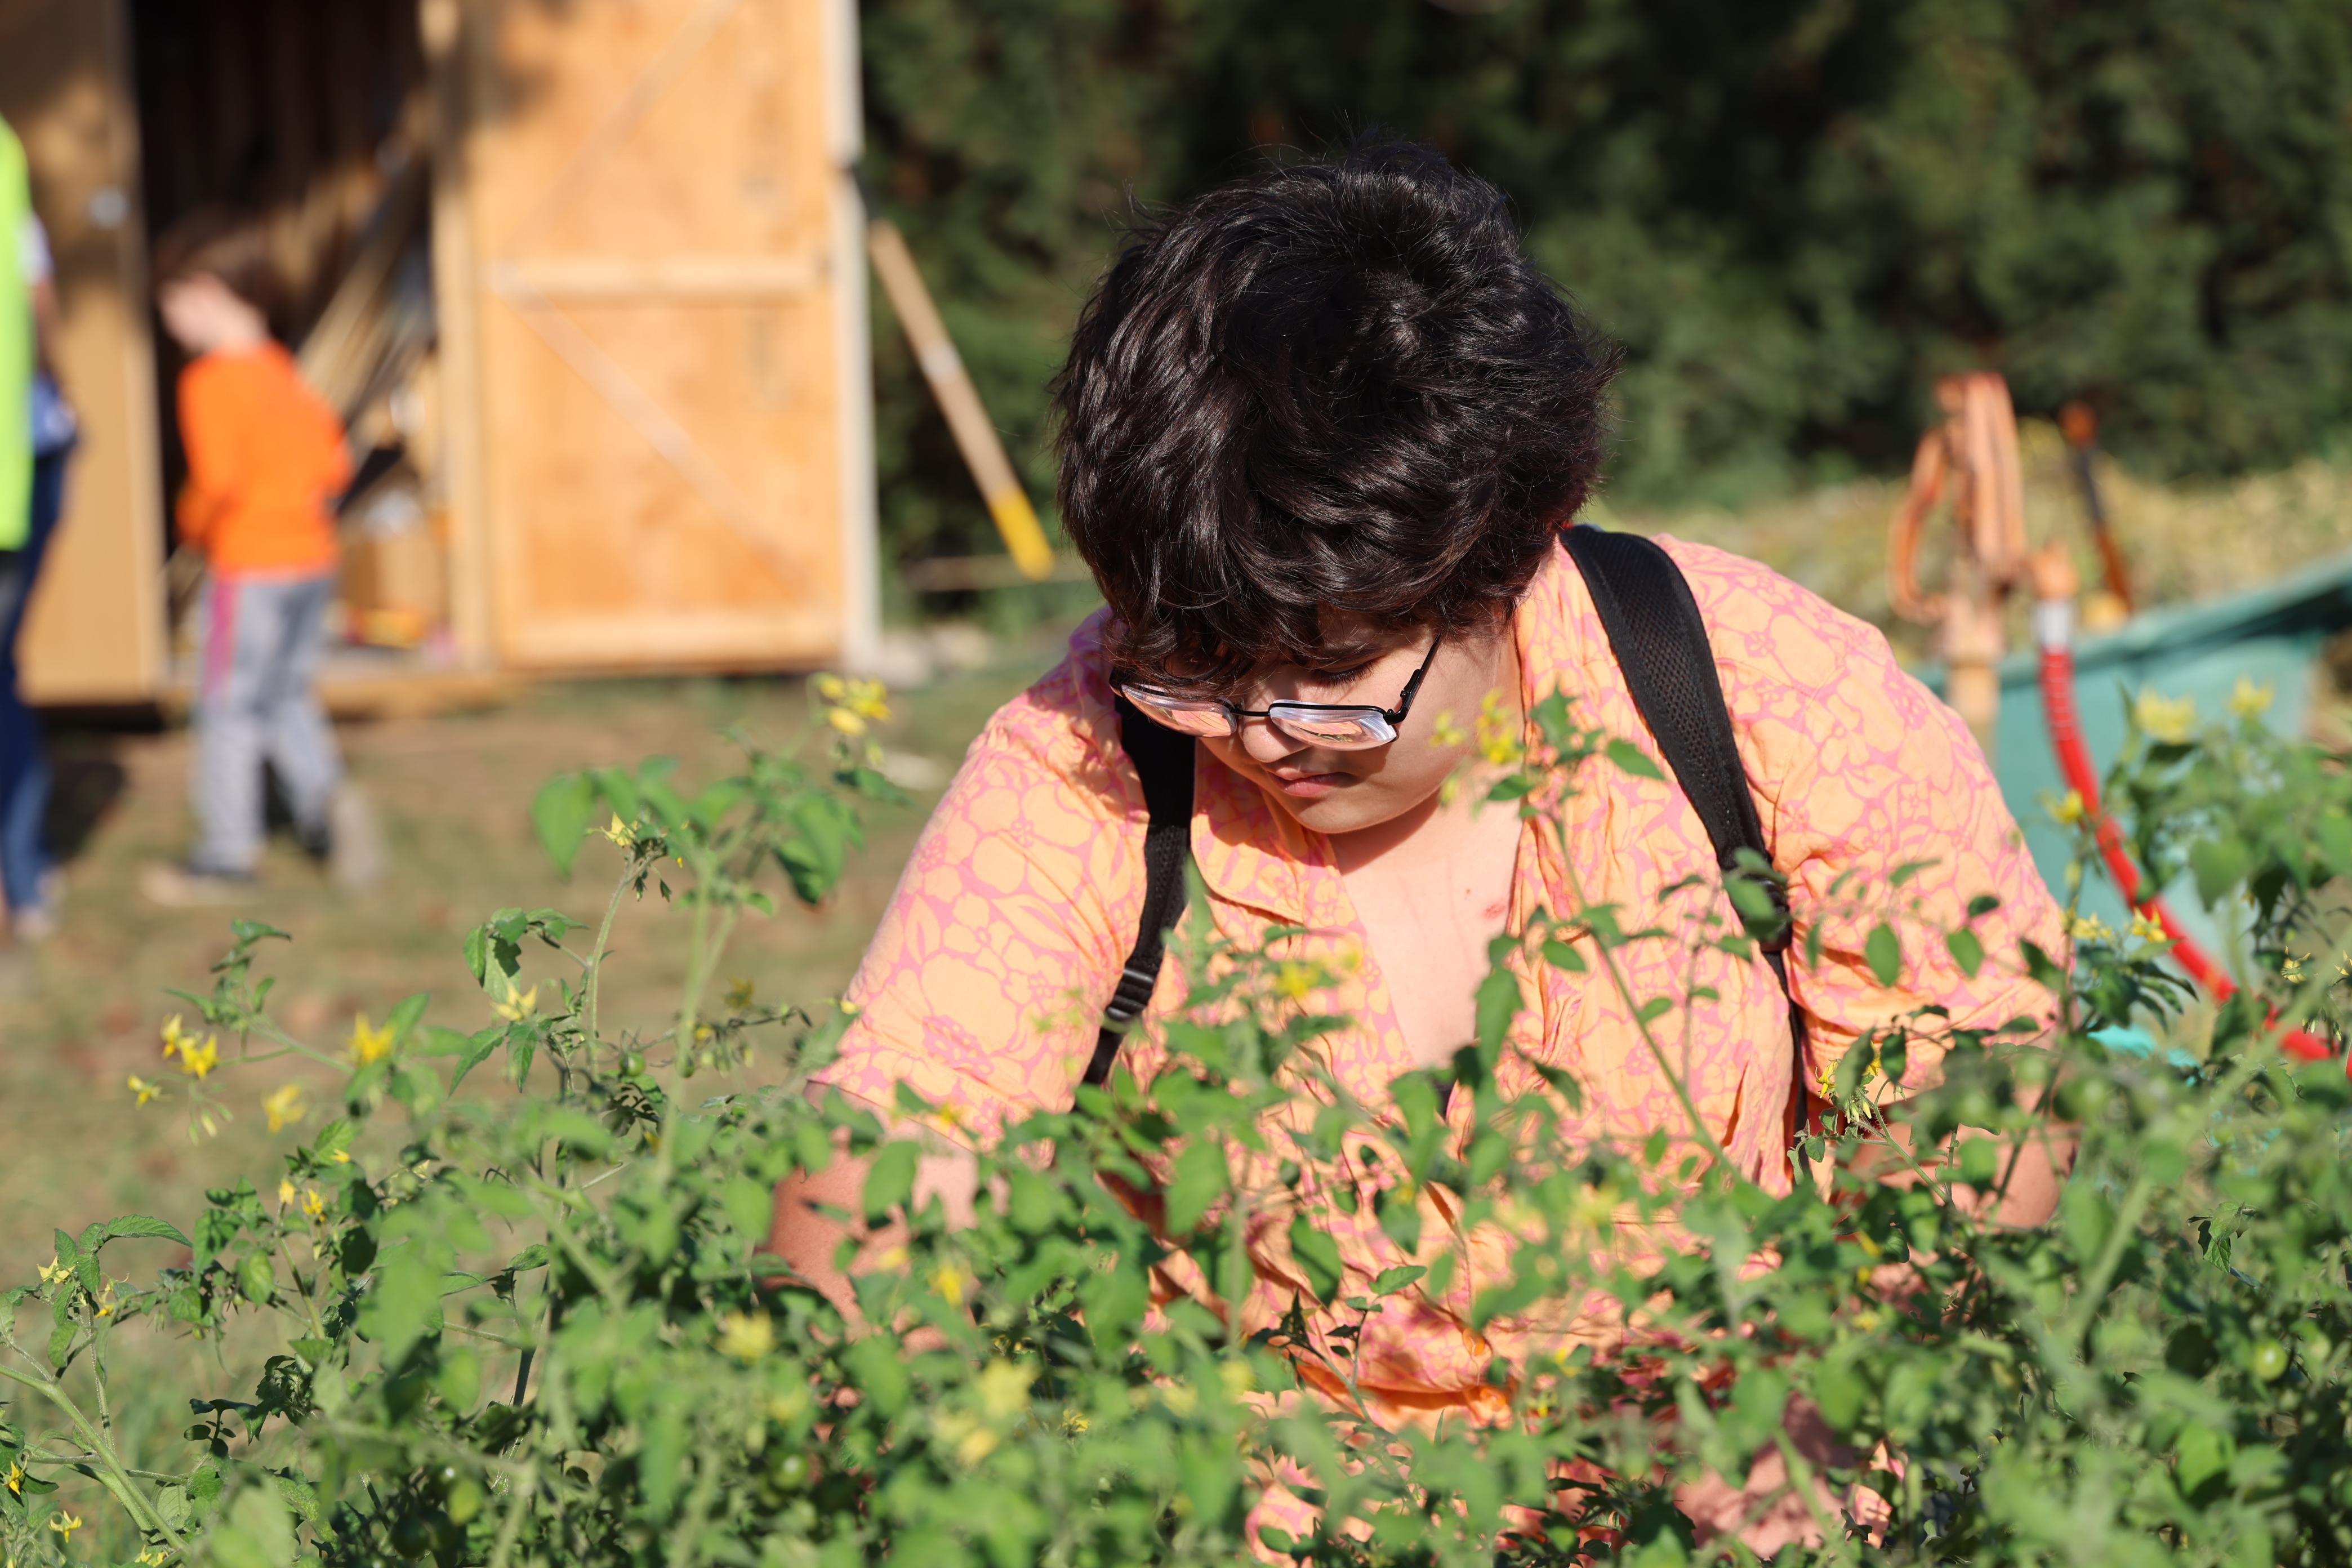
(95, 631)
(657, 205)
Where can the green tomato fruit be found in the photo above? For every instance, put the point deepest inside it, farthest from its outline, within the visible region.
(411, 1535)
(2268, 1359)
(790, 1472)
(465, 1499)
(633, 1064)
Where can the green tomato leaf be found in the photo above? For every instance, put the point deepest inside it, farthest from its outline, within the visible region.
(257, 1279)
(1499, 1004)
(1965, 950)
(561, 814)
(1630, 758)
(139, 1225)
(1201, 1178)
(890, 1180)
(1317, 1255)
(2221, 864)
(1883, 952)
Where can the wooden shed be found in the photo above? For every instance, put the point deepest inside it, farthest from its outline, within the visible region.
(585, 279)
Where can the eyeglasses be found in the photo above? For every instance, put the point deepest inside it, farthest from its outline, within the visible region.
(1335, 726)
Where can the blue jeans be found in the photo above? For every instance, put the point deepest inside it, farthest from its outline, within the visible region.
(24, 760)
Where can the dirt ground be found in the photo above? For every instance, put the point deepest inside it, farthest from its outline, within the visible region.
(81, 1013)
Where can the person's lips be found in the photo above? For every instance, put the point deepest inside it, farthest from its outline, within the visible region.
(1306, 785)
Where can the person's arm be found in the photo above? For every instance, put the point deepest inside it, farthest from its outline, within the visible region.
(1860, 773)
(2031, 1167)
(809, 1241)
(208, 431)
(985, 981)
(39, 268)
(46, 324)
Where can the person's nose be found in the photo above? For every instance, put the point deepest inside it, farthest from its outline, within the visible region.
(1267, 745)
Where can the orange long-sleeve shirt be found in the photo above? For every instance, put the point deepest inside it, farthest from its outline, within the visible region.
(265, 461)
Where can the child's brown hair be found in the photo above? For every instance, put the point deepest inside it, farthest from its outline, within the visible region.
(224, 244)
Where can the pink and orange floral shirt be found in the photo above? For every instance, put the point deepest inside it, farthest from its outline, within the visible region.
(984, 985)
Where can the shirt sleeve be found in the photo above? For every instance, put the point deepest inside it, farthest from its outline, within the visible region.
(1863, 778)
(210, 429)
(32, 252)
(984, 985)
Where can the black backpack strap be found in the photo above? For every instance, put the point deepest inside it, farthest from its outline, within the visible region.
(1164, 761)
(1660, 640)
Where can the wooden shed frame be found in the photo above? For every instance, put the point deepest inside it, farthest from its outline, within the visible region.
(759, 525)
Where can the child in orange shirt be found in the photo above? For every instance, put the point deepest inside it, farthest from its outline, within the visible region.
(266, 460)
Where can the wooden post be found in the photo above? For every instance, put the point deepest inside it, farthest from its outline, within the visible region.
(94, 632)
(861, 565)
(442, 24)
(983, 453)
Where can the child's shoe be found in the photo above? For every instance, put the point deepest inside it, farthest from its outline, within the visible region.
(183, 886)
(352, 849)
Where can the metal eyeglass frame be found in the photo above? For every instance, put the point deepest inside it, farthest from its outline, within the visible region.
(1390, 718)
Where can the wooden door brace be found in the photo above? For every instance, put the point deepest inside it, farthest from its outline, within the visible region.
(508, 279)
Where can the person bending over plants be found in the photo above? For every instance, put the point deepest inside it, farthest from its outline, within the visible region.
(1322, 433)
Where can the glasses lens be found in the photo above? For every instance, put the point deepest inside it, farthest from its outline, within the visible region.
(1339, 728)
(1185, 717)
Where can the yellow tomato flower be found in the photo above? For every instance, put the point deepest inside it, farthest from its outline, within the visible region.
(312, 1203)
(1005, 1388)
(2170, 720)
(1297, 980)
(54, 1273)
(141, 1087)
(1499, 731)
(15, 1477)
(369, 1044)
(2070, 810)
(285, 1192)
(847, 722)
(2248, 701)
(65, 1524)
(746, 1336)
(951, 1282)
(618, 832)
(2090, 928)
(284, 1105)
(106, 1300)
(519, 1004)
(867, 699)
(196, 1060)
(2147, 928)
(831, 687)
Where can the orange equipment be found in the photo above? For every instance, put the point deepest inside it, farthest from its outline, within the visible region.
(1974, 454)
(2082, 428)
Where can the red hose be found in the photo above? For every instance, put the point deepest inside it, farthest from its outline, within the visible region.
(2075, 762)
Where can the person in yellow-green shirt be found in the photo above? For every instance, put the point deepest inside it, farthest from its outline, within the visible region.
(37, 433)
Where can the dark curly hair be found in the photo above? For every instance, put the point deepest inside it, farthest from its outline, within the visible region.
(1333, 385)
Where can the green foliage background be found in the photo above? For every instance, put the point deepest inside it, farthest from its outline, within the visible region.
(1794, 213)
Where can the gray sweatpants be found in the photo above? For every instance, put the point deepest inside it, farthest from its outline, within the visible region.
(260, 641)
